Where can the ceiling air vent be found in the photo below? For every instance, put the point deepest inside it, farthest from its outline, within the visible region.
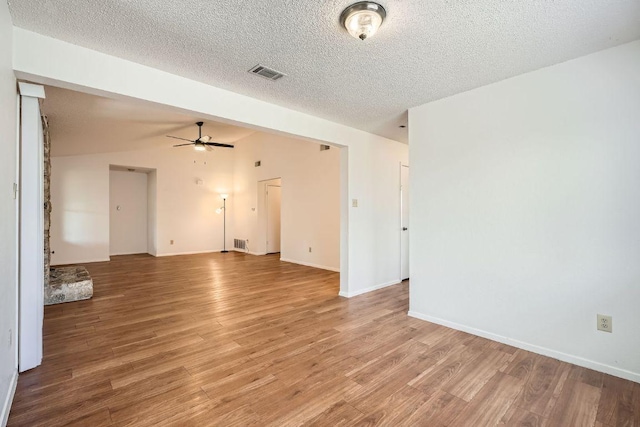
(265, 72)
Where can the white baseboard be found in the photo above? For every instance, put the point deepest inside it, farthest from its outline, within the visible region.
(130, 253)
(250, 253)
(310, 264)
(6, 406)
(87, 261)
(371, 289)
(569, 358)
(188, 253)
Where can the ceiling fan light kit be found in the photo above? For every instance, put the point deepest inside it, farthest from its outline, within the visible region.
(202, 143)
(363, 19)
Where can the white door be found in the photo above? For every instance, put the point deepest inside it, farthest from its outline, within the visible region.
(274, 195)
(128, 213)
(404, 233)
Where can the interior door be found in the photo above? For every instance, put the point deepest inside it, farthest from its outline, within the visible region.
(404, 215)
(274, 197)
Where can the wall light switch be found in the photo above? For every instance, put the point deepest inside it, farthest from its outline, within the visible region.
(354, 203)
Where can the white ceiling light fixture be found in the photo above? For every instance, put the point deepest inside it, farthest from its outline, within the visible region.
(363, 19)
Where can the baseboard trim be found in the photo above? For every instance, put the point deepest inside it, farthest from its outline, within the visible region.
(188, 253)
(130, 253)
(367, 290)
(6, 407)
(569, 358)
(250, 253)
(58, 264)
(310, 264)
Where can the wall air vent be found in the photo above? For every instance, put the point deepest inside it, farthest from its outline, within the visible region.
(324, 147)
(267, 73)
(239, 244)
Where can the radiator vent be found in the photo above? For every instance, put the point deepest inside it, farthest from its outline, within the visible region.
(239, 244)
(267, 73)
(325, 147)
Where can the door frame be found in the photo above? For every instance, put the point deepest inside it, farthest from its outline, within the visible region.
(400, 225)
(261, 234)
(266, 212)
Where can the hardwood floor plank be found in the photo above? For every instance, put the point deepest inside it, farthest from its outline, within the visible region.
(616, 407)
(340, 414)
(240, 340)
(473, 376)
(577, 405)
(492, 401)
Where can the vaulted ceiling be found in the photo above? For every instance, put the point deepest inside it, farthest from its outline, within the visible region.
(86, 124)
(424, 51)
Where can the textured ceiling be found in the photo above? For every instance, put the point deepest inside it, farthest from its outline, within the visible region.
(88, 124)
(424, 51)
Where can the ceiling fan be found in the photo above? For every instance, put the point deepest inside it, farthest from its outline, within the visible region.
(202, 143)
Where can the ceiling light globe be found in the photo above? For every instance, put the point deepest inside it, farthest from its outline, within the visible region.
(199, 147)
(363, 19)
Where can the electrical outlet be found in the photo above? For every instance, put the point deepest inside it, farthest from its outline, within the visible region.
(309, 248)
(605, 323)
(354, 203)
(171, 242)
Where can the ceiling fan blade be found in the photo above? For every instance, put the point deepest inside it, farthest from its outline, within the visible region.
(217, 144)
(182, 145)
(175, 137)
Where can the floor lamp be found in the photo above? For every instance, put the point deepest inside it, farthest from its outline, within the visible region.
(224, 226)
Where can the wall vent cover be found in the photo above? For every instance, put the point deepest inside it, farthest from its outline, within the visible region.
(239, 244)
(266, 72)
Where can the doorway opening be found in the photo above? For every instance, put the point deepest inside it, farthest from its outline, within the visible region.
(269, 214)
(132, 210)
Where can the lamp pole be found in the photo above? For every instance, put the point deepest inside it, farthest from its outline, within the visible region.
(224, 224)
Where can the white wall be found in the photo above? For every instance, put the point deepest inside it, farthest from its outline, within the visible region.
(128, 226)
(310, 208)
(8, 245)
(369, 236)
(185, 211)
(152, 222)
(525, 210)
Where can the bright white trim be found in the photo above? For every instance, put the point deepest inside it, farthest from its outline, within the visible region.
(189, 253)
(310, 264)
(242, 251)
(569, 358)
(130, 253)
(371, 289)
(6, 406)
(83, 261)
(31, 90)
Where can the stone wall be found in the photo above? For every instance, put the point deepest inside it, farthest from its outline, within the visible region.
(47, 199)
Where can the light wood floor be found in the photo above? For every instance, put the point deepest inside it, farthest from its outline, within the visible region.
(234, 339)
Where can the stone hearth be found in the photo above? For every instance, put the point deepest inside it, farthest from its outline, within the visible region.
(68, 284)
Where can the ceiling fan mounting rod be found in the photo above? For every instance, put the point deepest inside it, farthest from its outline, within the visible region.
(199, 130)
